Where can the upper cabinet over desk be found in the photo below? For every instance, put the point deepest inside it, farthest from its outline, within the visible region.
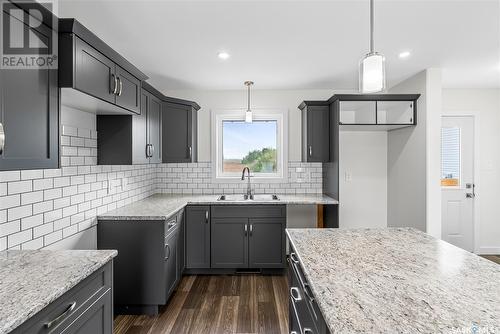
(98, 77)
(315, 131)
(375, 112)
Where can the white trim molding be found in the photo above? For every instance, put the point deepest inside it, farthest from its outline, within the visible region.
(278, 114)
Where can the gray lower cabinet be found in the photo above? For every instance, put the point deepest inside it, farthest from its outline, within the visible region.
(127, 139)
(148, 265)
(29, 111)
(229, 242)
(197, 237)
(266, 248)
(179, 133)
(86, 308)
(251, 236)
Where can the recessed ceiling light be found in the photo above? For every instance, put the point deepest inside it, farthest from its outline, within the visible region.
(223, 55)
(404, 54)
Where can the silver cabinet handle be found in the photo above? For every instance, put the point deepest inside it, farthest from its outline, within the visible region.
(68, 310)
(251, 229)
(152, 150)
(206, 217)
(293, 257)
(295, 294)
(190, 152)
(2, 139)
(308, 331)
(115, 84)
(310, 151)
(167, 247)
(121, 86)
(246, 229)
(147, 150)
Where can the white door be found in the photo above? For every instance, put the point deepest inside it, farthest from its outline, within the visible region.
(457, 180)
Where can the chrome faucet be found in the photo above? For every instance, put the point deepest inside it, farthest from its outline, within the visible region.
(249, 188)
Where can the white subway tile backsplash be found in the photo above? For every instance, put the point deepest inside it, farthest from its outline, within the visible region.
(10, 176)
(19, 212)
(10, 228)
(43, 184)
(31, 174)
(19, 237)
(19, 187)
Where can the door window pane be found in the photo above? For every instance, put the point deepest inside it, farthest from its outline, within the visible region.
(450, 157)
(252, 145)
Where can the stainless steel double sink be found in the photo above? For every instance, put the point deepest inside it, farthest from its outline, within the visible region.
(243, 197)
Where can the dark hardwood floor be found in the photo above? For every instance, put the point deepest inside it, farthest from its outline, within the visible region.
(494, 258)
(218, 304)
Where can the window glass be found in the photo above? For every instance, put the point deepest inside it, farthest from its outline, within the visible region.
(450, 157)
(252, 145)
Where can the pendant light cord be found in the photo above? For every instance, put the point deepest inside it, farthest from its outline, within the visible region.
(248, 98)
(371, 27)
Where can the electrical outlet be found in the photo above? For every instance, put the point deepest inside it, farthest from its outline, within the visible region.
(347, 176)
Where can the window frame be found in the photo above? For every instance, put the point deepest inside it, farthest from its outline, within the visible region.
(278, 115)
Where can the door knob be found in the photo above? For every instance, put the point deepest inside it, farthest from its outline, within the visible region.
(469, 195)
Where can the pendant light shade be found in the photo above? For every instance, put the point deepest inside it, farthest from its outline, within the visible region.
(248, 113)
(372, 73)
(372, 66)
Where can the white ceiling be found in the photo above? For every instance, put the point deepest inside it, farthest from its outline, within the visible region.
(296, 44)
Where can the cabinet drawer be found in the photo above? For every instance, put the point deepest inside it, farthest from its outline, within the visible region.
(170, 224)
(64, 310)
(248, 211)
(310, 318)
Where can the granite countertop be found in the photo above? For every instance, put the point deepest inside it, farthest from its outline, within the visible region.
(31, 280)
(397, 280)
(163, 206)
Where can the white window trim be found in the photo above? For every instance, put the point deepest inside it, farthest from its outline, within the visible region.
(280, 115)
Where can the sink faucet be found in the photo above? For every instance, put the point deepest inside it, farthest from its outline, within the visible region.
(249, 188)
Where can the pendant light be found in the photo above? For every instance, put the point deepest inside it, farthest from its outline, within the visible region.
(248, 113)
(372, 66)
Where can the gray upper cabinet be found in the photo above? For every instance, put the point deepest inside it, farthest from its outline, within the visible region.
(29, 115)
(90, 66)
(315, 131)
(197, 237)
(128, 90)
(179, 132)
(127, 139)
(94, 72)
(229, 242)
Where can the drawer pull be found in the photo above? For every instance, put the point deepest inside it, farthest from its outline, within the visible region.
(295, 294)
(63, 315)
(308, 331)
(293, 257)
(167, 248)
(171, 224)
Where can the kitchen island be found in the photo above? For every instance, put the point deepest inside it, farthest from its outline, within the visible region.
(46, 290)
(394, 280)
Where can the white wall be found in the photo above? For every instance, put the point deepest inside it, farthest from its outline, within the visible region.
(363, 155)
(484, 105)
(260, 99)
(413, 159)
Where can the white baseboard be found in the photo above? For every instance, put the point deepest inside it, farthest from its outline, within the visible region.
(488, 251)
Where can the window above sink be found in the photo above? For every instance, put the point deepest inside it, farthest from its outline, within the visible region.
(258, 145)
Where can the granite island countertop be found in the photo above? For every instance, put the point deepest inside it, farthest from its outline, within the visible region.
(31, 280)
(163, 206)
(397, 280)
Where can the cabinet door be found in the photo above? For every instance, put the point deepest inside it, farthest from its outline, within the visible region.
(266, 239)
(154, 129)
(97, 319)
(198, 237)
(229, 242)
(318, 137)
(139, 133)
(29, 114)
(171, 260)
(395, 112)
(94, 72)
(177, 133)
(129, 91)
